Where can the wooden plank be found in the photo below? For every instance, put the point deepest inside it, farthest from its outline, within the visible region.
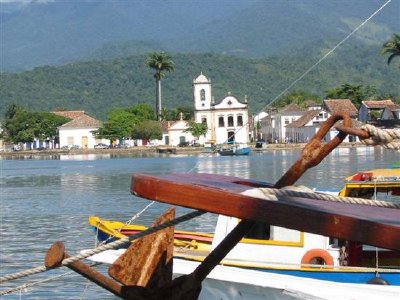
(221, 194)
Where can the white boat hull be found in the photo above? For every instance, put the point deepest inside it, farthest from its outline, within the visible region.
(231, 283)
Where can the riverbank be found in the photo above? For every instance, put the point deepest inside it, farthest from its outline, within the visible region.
(153, 149)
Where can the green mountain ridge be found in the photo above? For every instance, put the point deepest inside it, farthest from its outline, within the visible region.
(99, 86)
(58, 32)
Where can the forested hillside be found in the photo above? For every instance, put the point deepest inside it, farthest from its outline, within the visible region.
(98, 86)
(55, 32)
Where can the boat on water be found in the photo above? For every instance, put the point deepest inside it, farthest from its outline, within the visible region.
(233, 149)
(279, 254)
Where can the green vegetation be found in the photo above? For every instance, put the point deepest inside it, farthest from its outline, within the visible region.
(121, 122)
(100, 86)
(147, 130)
(160, 62)
(356, 93)
(197, 129)
(22, 125)
(392, 47)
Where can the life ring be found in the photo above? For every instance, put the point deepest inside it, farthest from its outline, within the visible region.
(317, 257)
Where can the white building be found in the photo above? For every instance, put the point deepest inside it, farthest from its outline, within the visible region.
(78, 131)
(273, 126)
(177, 134)
(371, 110)
(227, 120)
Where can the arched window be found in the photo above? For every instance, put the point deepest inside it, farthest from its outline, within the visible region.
(240, 120)
(230, 121)
(221, 122)
(202, 95)
(204, 120)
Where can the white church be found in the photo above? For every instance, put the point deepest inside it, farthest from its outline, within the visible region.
(227, 120)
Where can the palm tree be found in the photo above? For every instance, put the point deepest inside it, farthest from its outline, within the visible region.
(159, 61)
(392, 46)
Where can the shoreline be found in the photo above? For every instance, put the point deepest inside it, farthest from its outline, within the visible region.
(158, 149)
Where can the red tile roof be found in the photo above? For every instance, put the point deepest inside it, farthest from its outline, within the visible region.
(334, 106)
(292, 108)
(377, 103)
(84, 121)
(71, 114)
(394, 107)
(304, 119)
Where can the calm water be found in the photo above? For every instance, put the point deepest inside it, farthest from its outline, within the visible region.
(48, 199)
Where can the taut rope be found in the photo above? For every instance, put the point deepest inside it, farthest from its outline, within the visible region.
(113, 245)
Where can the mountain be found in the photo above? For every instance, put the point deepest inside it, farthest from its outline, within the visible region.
(99, 86)
(57, 32)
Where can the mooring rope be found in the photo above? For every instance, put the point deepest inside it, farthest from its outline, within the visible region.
(127, 223)
(388, 138)
(304, 192)
(113, 245)
(31, 284)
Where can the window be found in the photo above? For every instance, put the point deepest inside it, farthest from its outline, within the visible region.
(261, 231)
(240, 120)
(287, 121)
(204, 120)
(221, 122)
(202, 95)
(230, 121)
(70, 140)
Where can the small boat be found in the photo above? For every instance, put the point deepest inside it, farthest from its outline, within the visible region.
(376, 184)
(233, 149)
(108, 230)
(279, 250)
(270, 261)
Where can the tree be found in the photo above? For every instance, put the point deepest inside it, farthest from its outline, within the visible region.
(23, 126)
(147, 130)
(197, 129)
(356, 93)
(160, 62)
(392, 47)
(299, 97)
(120, 121)
(119, 125)
(143, 111)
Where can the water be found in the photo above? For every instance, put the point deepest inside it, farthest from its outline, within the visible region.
(49, 198)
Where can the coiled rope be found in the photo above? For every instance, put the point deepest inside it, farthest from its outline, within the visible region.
(388, 138)
(273, 194)
(114, 245)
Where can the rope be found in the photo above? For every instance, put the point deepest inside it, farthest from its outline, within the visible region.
(388, 138)
(114, 245)
(273, 195)
(27, 285)
(127, 223)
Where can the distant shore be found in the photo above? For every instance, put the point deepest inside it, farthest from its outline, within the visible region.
(153, 149)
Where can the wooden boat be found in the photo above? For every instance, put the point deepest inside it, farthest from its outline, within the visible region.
(375, 184)
(108, 231)
(274, 249)
(371, 184)
(233, 149)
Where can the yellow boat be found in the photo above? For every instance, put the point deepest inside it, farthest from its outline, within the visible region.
(108, 230)
(368, 184)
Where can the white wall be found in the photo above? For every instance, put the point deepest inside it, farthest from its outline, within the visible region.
(76, 135)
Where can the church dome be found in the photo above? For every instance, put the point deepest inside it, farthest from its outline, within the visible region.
(201, 79)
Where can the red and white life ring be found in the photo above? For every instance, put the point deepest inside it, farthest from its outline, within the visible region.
(313, 256)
